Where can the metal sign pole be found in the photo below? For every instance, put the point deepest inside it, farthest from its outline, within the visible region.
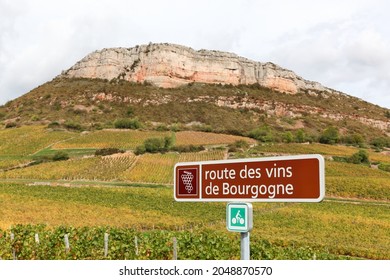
(245, 247)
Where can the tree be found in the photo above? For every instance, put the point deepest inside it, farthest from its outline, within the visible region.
(354, 139)
(381, 142)
(300, 136)
(155, 145)
(330, 136)
(288, 137)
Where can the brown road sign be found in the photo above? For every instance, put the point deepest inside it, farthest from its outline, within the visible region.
(278, 179)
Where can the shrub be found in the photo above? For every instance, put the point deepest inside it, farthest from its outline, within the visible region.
(139, 150)
(73, 125)
(300, 136)
(384, 167)
(128, 123)
(354, 139)
(360, 157)
(380, 142)
(188, 148)
(108, 151)
(41, 159)
(34, 118)
(205, 128)
(60, 155)
(162, 127)
(11, 125)
(97, 126)
(155, 145)
(54, 125)
(330, 136)
(238, 145)
(130, 111)
(288, 137)
(340, 159)
(263, 134)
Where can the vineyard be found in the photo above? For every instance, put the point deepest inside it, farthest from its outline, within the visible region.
(329, 229)
(129, 197)
(9, 162)
(316, 148)
(130, 139)
(38, 242)
(123, 139)
(149, 168)
(27, 140)
(206, 138)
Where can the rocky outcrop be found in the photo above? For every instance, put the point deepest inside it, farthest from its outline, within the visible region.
(169, 65)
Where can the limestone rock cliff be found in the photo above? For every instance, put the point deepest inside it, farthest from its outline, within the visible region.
(169, 65)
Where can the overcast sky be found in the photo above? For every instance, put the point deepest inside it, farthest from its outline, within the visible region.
(344, 45)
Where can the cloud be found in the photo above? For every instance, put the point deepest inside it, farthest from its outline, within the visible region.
(342, 44)
(349, 55)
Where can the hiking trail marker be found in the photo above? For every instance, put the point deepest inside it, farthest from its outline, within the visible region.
(298, 178)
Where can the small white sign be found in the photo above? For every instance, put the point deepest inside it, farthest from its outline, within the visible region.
(239, 217)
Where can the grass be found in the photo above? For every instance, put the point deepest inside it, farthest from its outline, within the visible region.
(78, 152)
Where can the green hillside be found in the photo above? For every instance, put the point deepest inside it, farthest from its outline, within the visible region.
(87, 104)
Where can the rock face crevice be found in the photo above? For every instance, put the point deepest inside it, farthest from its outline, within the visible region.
(169, 65)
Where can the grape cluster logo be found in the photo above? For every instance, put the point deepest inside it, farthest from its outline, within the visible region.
(187, 178)
(187, 182)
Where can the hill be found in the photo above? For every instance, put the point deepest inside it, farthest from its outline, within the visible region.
(85, 104)
(172, 87)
